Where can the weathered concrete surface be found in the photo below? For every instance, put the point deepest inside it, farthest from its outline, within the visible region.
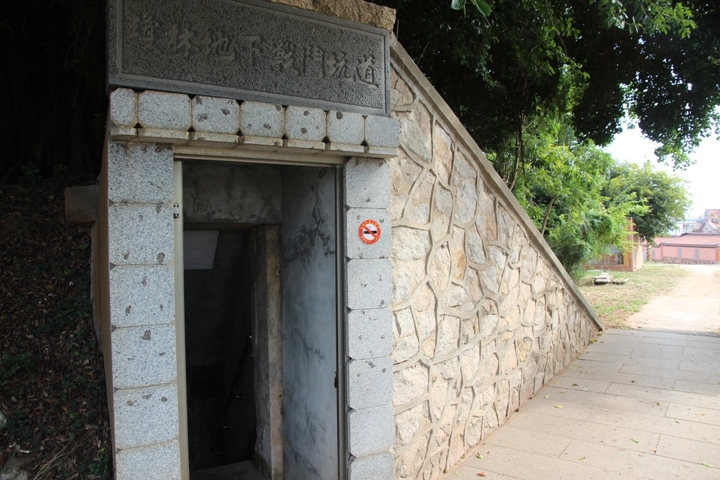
(81, 204)
(694, 305)
(354, 10)
(640, 404)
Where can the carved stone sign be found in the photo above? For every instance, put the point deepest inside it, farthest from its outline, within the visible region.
(249, 50)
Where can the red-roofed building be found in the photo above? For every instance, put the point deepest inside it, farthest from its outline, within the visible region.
(688, 248)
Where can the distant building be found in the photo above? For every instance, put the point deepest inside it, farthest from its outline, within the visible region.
(709, 222)
(688, 248)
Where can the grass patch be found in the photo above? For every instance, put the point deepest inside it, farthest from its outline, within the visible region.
(615, 303)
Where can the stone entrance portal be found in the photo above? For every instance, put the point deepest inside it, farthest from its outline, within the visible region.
(245, 322)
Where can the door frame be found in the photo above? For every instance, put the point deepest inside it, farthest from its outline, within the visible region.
(239, 156)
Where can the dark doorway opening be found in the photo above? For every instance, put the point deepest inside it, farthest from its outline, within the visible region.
(219, 357)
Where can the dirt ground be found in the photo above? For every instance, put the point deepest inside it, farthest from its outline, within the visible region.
(693, 305)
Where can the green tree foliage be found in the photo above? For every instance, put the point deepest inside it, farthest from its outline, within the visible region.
(658, 60)
(664, 195)
(540, 84)
(562, 188)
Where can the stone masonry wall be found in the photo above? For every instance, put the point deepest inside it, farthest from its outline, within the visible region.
(484, 314)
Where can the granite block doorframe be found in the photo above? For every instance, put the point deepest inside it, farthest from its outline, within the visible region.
(167, 344)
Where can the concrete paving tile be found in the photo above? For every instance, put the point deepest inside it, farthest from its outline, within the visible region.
(662, 396)
(529, 466)
(631, 360)
(570, 411)
(665, 352)
(713, 339)
(698, 367)
(662, 334)
(599, 366)
(690, 342)
(680, 342)
(681, 421)
(702, 432)
(607, 400)
(693, 414)
(702, 355)
(689, 450)
(634, 464)
(706, 377)
(619, 339)
(466, 472)
(611, 347)
(575, 382)
(540, 443)
(586, 431)
(626, 378)
(698, 387)
(622, 333)
(685, 422)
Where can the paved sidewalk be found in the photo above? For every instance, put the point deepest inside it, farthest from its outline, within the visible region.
(638, 404)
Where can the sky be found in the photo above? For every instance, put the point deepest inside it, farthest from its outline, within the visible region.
(703, 177)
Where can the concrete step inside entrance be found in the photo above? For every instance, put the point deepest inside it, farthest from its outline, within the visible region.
(235, 471)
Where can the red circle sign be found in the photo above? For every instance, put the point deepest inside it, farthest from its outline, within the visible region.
(369, 232)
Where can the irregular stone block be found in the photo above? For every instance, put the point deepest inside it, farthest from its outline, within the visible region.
(262, 120)
(375, 467)
(145, 416)
(305, 127)
(355, 246)
(348, 128)
(215, 115)
(367, 183)
(369, 382)
(410, 244)
(369, 333)
(142, 295)
(370, 430)
(411, 383)
(140, 234)
(143, 356)
(164, 111)
(382, 132)
(144, 462)
(369, 283)
(139, 172)
(123, 108)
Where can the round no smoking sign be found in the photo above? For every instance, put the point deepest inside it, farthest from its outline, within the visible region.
(369, 232)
